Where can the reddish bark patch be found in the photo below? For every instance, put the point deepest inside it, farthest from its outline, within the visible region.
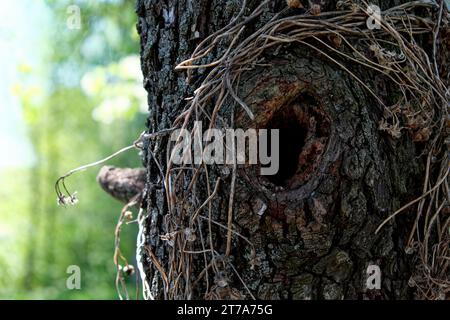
(304, 132)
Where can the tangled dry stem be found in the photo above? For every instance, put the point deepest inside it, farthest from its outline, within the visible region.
(395, 55)
(342, 37)
(424, 105)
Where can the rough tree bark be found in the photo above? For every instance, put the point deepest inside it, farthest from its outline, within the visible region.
(313, 223)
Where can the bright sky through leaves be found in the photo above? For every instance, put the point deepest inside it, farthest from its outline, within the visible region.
(23, 25)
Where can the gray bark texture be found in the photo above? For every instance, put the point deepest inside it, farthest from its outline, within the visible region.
(313, 224)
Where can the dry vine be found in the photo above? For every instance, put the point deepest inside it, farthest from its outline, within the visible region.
(342, 37)
(65, 197)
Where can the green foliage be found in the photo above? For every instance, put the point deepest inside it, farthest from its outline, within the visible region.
(91, 106)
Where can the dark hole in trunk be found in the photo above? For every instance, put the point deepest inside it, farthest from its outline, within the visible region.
(292, 140)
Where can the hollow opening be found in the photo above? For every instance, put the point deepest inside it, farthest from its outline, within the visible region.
(292, 140)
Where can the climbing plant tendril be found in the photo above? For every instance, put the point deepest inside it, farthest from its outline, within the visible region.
(343, 38)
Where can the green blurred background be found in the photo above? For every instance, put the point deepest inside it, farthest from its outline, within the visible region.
(68, 96)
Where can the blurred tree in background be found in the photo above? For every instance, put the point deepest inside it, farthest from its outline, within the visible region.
(91, 104)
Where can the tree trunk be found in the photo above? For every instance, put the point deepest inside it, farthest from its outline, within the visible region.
(312, 225)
